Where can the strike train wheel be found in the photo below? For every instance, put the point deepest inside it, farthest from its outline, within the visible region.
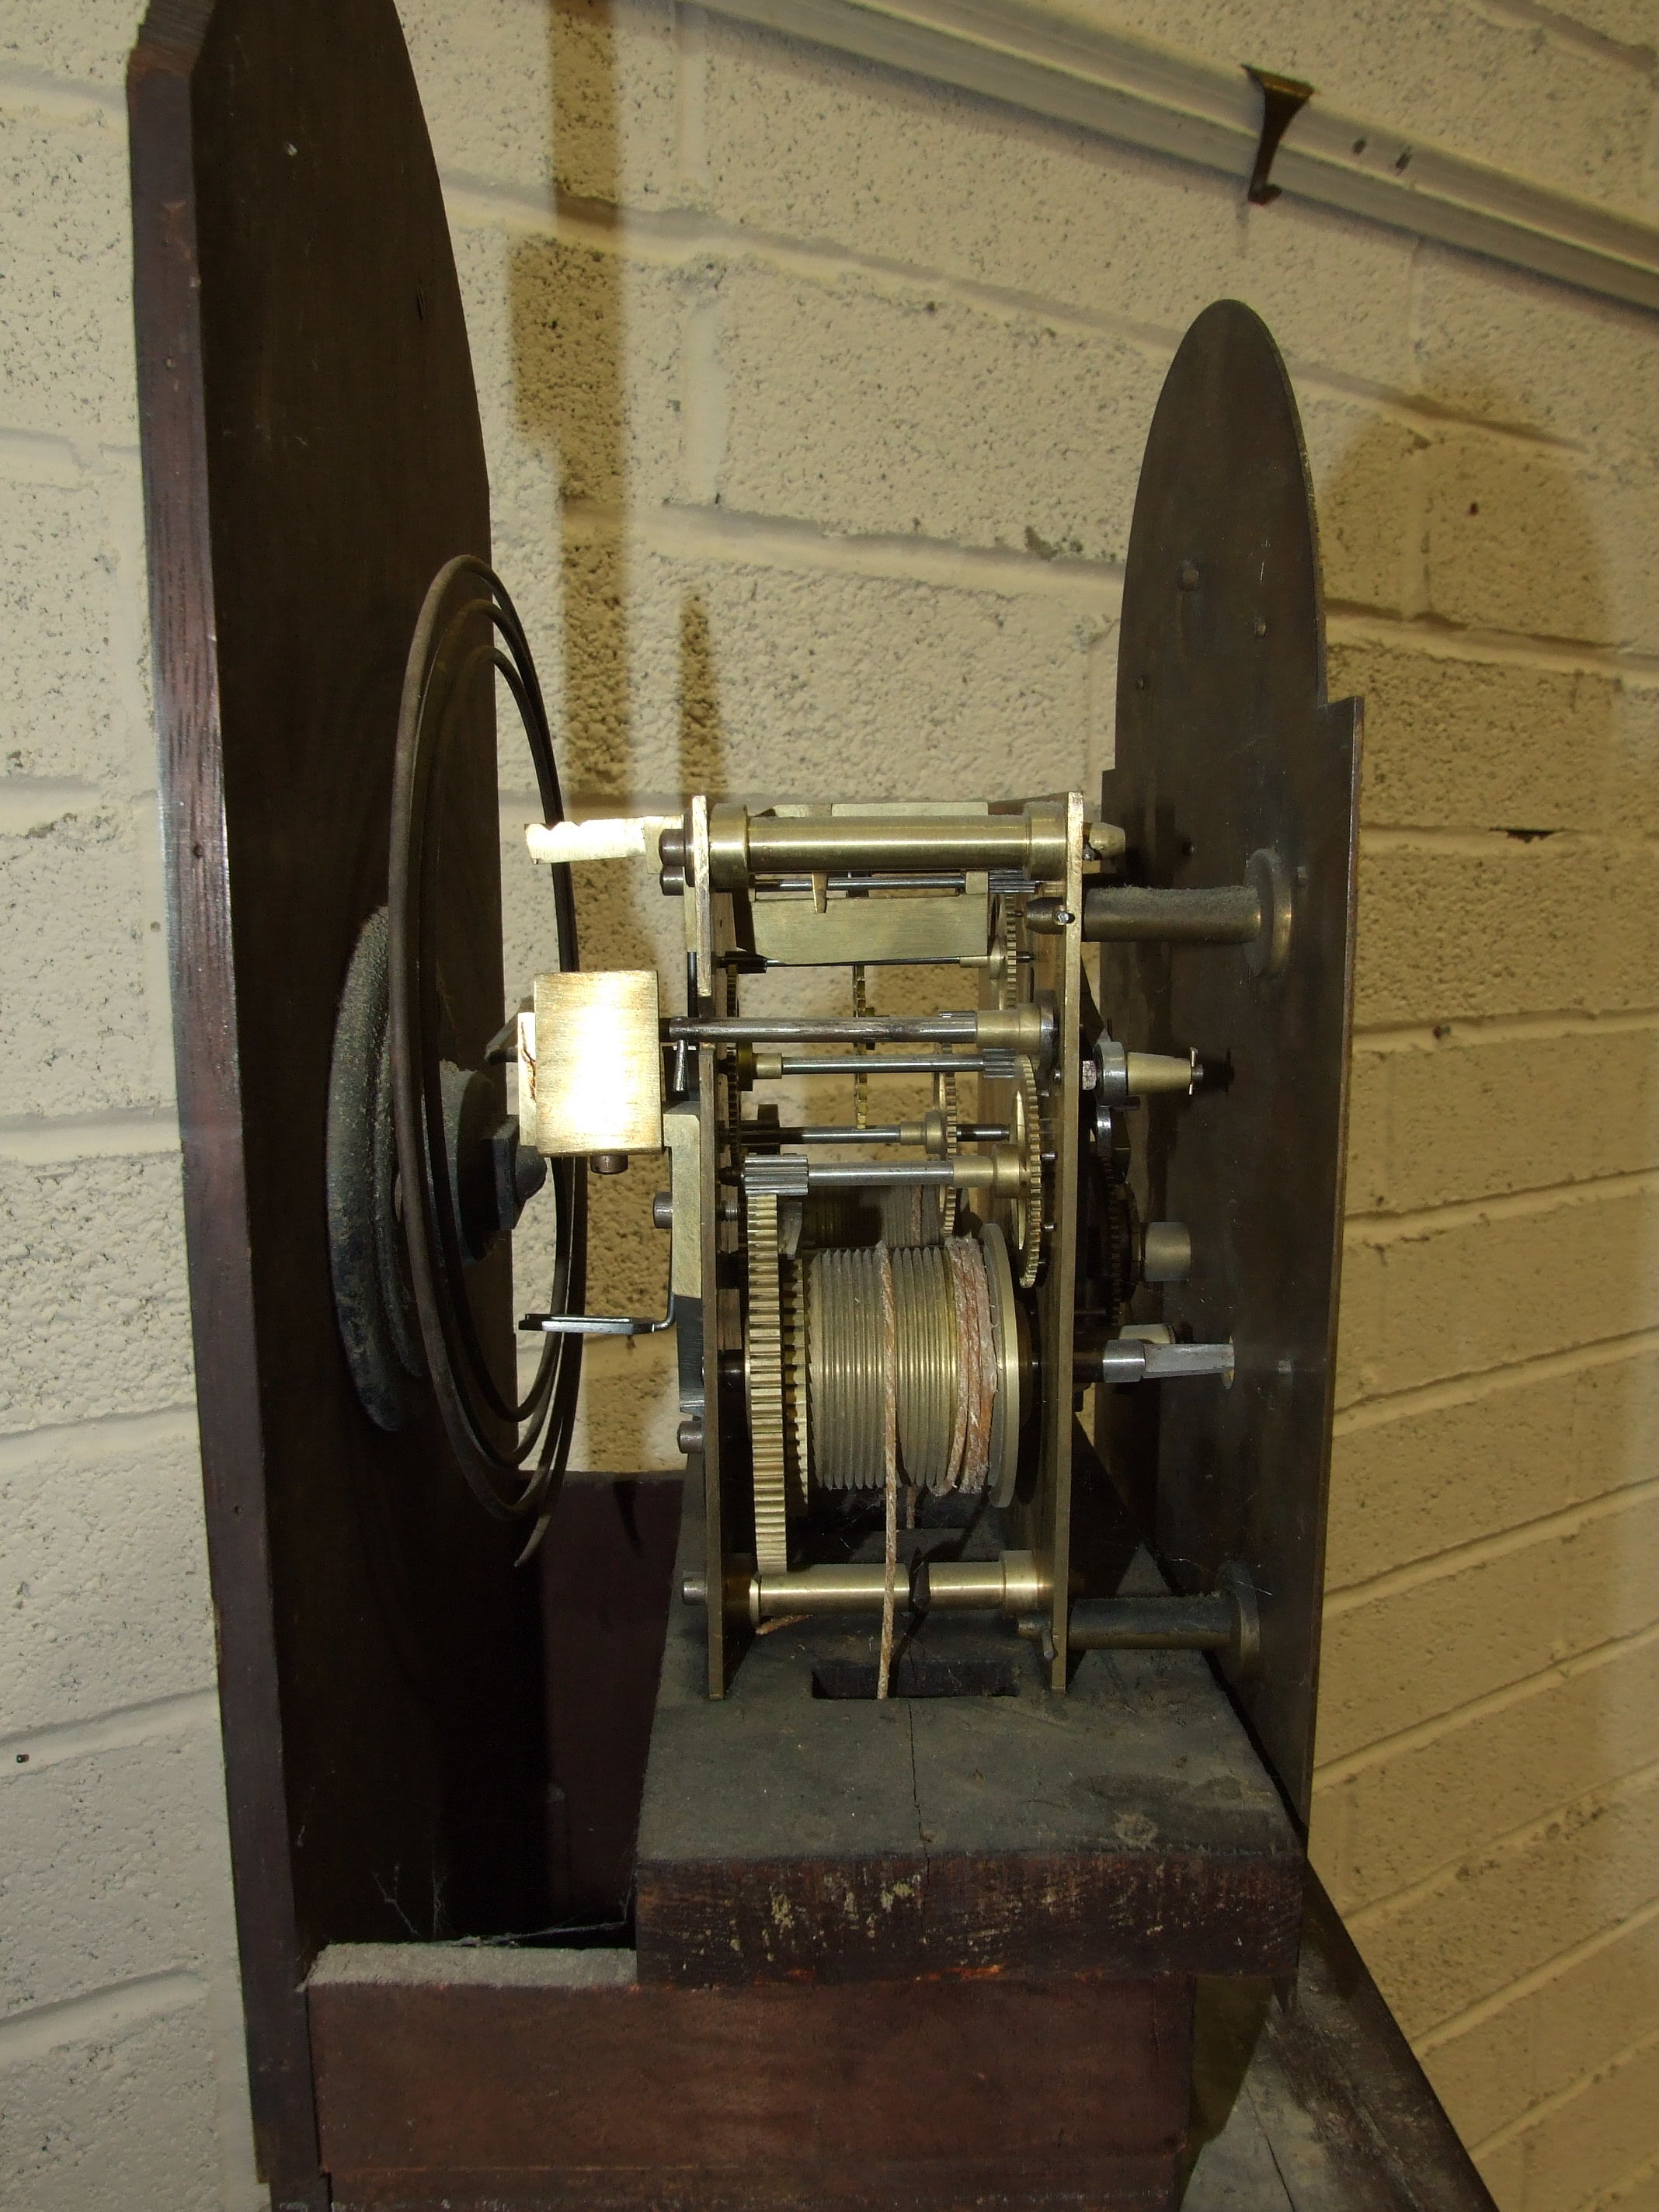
(425, 1173)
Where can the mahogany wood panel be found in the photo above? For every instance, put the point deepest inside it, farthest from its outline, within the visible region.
(466, 2079)
(608, 1564)
(312, 455)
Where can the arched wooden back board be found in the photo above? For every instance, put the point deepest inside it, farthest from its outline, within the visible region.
(312, 455)
(1226, 747)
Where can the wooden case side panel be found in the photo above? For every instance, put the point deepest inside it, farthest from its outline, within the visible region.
(173, 436)
(312, 455)
(863, 2095)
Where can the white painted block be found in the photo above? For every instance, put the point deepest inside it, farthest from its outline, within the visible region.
(66, 356)
(58, 694)
(517, 93)
(808, 146)
(106, 1566)
(94, 1312)
(118, 2118)
(116, 1866)
(74, 911)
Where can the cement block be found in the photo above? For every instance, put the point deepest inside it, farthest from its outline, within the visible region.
(928, 416)
(57, 697)
(1596, 2137)
(1427, 1805)
(1504, 925)
(1634, 2191)
(116, 1866)
(1468, 743)
(521, 95)
(1507, 347)
(1487, 85)
(93, 1308)
(1363, 464)
(109, 1601)
(116, 2120)
(576, 356)
(1456, 1299)
(808, 145)
(73, 906)
(1632, 783)
(1502, 2169)
(66, 359)
(86, 44)
(1489, 2073)
(628, 1409)
(1522, 538)
(1463, 1114)
(1441, 1641)
(1627, 21)
(1519, 1446)
(742, 674)
(1513, 1905)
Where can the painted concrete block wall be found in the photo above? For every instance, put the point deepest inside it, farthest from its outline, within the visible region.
(814, 398)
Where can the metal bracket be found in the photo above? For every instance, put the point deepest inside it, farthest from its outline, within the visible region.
(1283, 99)
(540, 1324)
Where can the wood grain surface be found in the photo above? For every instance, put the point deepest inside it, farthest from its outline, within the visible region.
(536, 2080)
(1126, 1828)
(312, 455)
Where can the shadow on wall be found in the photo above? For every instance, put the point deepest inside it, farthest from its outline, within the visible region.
(1504, 877)
(569, 337)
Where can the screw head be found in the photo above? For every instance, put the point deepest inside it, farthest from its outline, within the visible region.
(1188, 577)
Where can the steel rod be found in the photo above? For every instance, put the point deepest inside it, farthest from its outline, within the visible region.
(1026, 1029)
(888, 1063)
(1129, 913)
(743, 846)
(892, 1133)
(937, 882)
(1128, 1359)
(1154, 1622)
(828, 1029)
(871, 1175)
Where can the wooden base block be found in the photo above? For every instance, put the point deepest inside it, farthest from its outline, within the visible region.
(467, 2077)
(1127, 1829)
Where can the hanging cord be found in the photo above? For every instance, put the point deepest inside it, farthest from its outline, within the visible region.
(890, 1453)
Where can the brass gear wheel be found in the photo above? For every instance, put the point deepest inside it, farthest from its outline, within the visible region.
(945, 1098)
(763, 1366)
(1011, 934)
(792, 1306)
(1029, 1134)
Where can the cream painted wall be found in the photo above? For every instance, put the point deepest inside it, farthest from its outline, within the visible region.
(814, 398)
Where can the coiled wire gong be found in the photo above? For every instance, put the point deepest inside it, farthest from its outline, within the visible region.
(411, 1137)
(468, 633)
